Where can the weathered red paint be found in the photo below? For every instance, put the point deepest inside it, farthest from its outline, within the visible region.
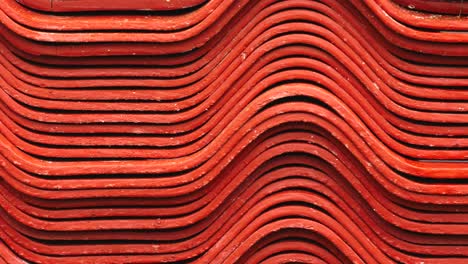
(233, 132)
(102, 5)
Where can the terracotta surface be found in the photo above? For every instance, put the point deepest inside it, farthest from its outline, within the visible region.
(190, 131)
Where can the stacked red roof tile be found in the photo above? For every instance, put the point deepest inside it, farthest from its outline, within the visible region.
(233, 131)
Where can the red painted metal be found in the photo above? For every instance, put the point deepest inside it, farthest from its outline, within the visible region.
(233, 131)
(452, 7)
(90, 5)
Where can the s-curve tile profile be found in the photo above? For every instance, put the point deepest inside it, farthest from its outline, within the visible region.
(210, 131)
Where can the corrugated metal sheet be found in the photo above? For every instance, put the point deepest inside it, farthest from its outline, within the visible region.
(222, 131)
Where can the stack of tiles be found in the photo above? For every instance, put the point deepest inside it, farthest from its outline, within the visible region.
(233, 131)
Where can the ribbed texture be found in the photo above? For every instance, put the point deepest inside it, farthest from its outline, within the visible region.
(233, 131)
